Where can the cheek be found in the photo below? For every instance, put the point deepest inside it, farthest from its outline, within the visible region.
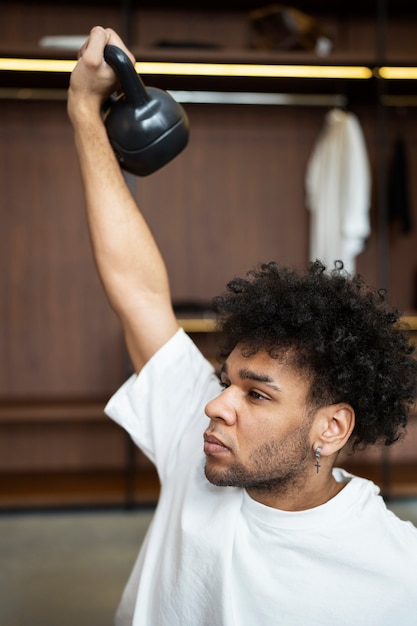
(253, 433)
(275, 432)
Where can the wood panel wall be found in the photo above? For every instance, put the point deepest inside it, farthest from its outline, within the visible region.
(59, 336)
(234, 198)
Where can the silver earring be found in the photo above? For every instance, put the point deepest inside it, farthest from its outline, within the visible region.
(317, 454)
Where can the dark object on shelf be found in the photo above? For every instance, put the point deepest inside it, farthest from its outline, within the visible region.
(398, 193)
(279, 27)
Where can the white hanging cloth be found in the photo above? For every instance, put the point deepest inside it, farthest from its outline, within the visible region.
(338, 191)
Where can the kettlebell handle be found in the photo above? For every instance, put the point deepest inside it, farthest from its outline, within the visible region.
(132, 84)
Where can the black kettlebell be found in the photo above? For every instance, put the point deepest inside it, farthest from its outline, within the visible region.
(146, 127)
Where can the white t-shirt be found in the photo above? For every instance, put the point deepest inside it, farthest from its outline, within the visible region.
(215, 557)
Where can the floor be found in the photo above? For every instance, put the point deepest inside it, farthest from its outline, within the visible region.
(66, 569)
(69, 568)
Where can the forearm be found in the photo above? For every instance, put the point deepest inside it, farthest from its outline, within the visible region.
(124, 248)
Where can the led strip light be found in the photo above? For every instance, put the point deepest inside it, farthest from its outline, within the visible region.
(201, 69)
(232, 70)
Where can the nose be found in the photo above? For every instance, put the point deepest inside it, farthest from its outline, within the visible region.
(223, 407)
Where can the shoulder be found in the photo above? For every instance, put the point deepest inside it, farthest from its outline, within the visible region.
(364, 497)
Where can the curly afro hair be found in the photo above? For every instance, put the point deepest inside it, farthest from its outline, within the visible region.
(336, 331)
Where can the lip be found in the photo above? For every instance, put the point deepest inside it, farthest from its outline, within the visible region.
(212, 445)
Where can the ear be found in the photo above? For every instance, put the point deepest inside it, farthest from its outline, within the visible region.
(335, 424)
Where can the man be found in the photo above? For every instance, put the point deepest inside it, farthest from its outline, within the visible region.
(254, 525)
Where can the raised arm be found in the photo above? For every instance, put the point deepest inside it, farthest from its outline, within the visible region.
(128, 259)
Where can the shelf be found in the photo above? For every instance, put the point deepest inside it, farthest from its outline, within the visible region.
(231, 64)
(410, 321)
(294, 74)
(198, 325)
(204, 55)
(41, 412)
(219, 56)
(208, 325)
(77, 489)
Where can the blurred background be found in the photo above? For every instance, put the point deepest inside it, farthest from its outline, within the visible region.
(235, 197)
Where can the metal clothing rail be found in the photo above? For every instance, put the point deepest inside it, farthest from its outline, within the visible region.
(399, 101)
(254, 98)
(198, 97)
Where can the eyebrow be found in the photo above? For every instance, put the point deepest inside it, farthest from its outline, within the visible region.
(248, 374)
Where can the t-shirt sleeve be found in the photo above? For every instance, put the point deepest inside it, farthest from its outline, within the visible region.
(162, 408)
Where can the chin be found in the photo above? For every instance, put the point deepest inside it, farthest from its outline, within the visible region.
(220, 478)
(239, 476)
(235, 476)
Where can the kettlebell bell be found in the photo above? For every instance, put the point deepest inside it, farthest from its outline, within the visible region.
(146, 127)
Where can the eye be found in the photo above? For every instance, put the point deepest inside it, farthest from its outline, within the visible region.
(256, 395)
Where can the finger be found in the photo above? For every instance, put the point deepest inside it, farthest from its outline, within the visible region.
(94, 46)
(115, 40)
